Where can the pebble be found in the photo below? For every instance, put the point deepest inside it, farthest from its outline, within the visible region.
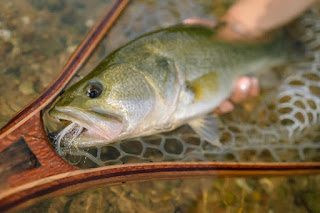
(89, 23)
(267, 184)
(71, 49)
(35, 66)
(25, 20)
(241, 182)
(26, 88)
(5, 34)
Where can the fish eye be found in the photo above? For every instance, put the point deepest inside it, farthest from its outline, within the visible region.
(94, 90)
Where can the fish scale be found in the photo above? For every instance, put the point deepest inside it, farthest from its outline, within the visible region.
(161, 81)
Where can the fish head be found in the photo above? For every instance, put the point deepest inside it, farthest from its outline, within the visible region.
(109, 103)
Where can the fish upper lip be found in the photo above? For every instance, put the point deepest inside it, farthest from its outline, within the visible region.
(79, 116)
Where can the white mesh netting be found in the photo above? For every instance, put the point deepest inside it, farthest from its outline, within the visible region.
(280, 125)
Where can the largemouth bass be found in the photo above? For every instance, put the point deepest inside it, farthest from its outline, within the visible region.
(159, 82)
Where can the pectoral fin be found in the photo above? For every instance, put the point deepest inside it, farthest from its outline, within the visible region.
(207, 128)
(206, 87)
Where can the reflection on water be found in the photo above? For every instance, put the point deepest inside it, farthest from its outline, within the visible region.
(37, 38)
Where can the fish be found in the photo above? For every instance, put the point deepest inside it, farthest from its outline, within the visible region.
(159, 82)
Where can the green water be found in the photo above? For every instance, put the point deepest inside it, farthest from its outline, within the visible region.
(36, 39)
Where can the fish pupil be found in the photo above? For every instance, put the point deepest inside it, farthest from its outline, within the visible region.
(93, 94)
(94, 90)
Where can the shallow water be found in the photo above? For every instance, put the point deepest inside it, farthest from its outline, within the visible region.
(38, 37)
(276, 194)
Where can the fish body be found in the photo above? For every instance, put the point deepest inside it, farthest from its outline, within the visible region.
(159, 82)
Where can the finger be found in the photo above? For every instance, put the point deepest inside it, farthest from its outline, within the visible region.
(241, 89)
(251, 18)
(254, 87)
(244, 88)
(224, 107)
(199, 21)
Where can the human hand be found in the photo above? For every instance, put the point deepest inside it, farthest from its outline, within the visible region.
(251, 19)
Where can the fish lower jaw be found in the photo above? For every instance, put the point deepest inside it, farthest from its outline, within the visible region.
(102, 125)
(92, 136)
(88, 131)
(93, 133)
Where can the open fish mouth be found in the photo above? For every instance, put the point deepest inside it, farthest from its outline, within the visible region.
(83, 127)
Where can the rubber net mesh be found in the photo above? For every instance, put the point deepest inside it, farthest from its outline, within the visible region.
(281, 124)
